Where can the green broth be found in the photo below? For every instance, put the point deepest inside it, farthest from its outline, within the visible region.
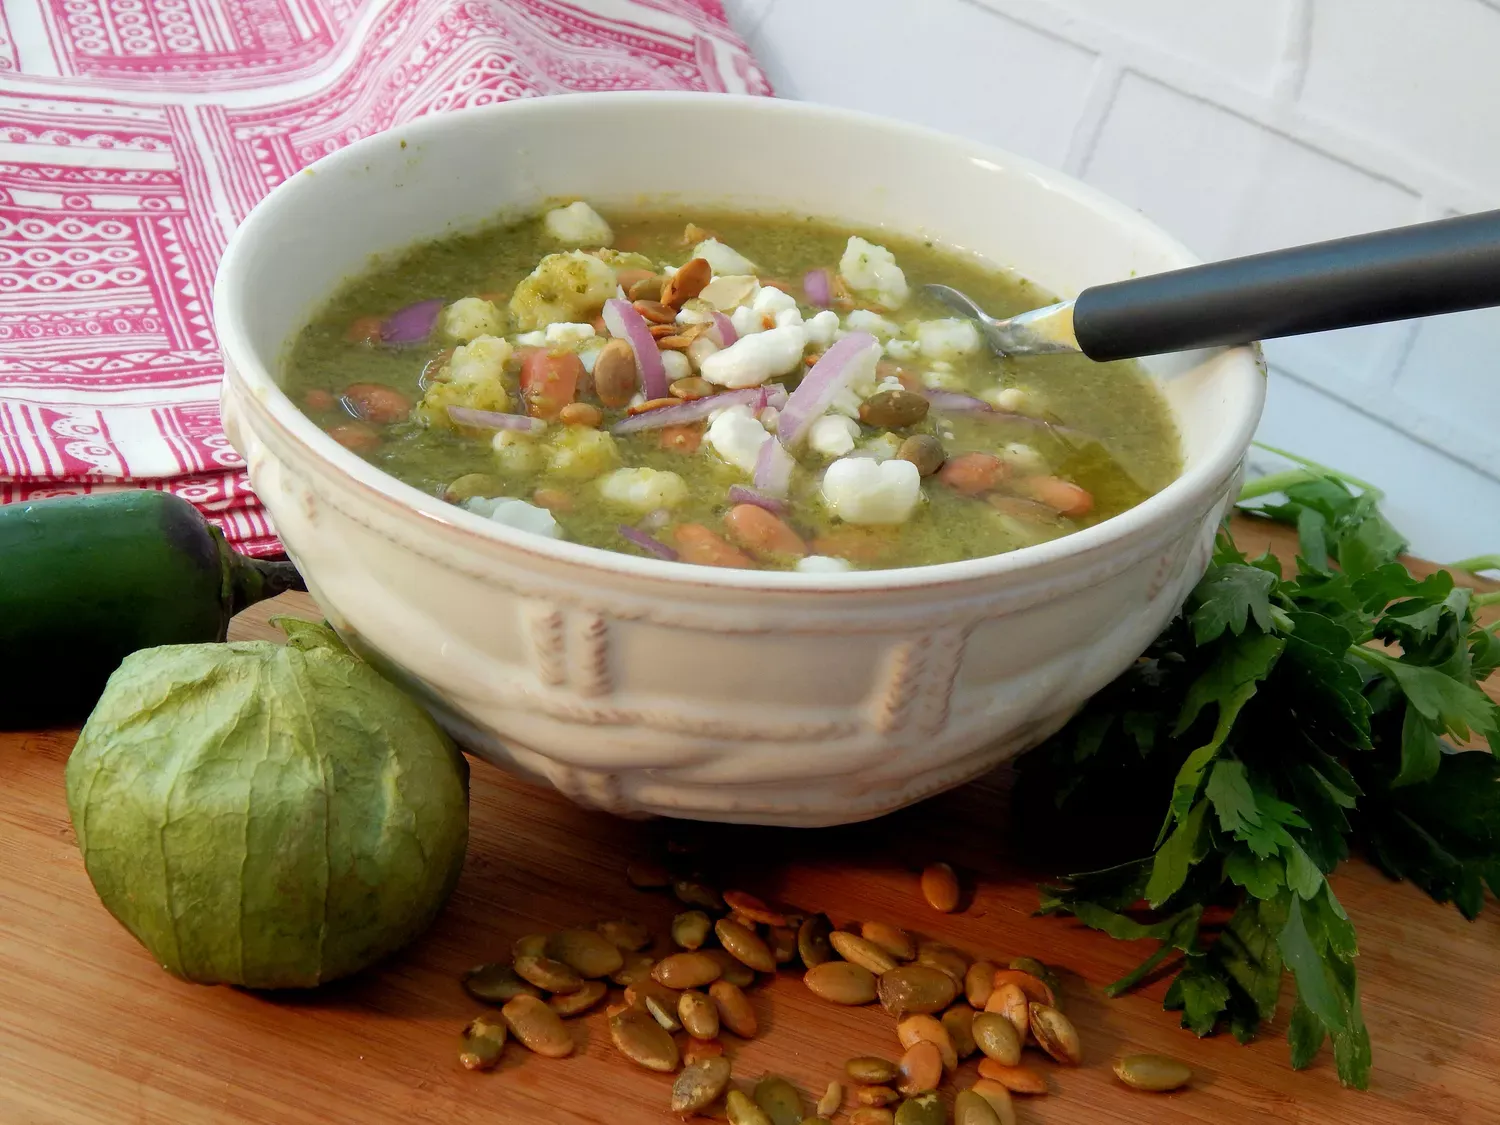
(1114, 434)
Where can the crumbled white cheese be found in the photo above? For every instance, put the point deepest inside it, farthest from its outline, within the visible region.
(772, 300)
(676, 365)
(723, 259)
(537, 339)
(566, 335)
(643, 489)
(833, 435)
(481, 360)
(695, 311)
(699, 350)
(747, 321)
(736, 435)
(821, 327)
(1014, 399)
(822, 564)
(515, 513)
(871, 272)
(947, 339)
(863, 320)
(751, 360)
(902, 349)
(864, 491)
(589, 351)
(789, 318)
(881, 447)
(729, 292)
(470, 317)
(578, 224)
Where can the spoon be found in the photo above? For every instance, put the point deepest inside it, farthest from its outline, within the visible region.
(1451, 265)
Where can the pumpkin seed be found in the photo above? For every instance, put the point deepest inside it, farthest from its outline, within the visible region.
(735, 972)
(912, 989)
(744, 944)
(998, 1097)
(1055, 1034)
(779, 1099)
(1156, 1073)
(1034, 987)
(698, 1014)
(875, 1095)
(832, 1098)
(924, 1109)
(952, 961)
(1016, 1079)
(636, 967)
(484, 1039)
(496, 983)
(741, 1110)
(870, 1070)
(894, 940)
(637, 994)
(532, 945)
(979, 982)
(782, 941)
(545, 973)
(970, 1108)
(615, 382)
(996, 1036)
(1042, 972)
(587, 952)
(855, 949)
(813, 945)
(921, 1069)
(691, 388)
(735, 1010)
(959, 1020)
(939, 882)
(924, 451)
(1009, 1001)
(699, 1049)
(626, 934)
(746, 904)
(872, 1115)
(646, 289)
(642, 876)
(663, 1012)
(686, 970)
(575, 1003)
(473, 484)
(687, 282)
(914, 1029)
(690, 929)
(699, 1085)
(654, 311)
(689, 892)
(643, 1041)
(841, 982)
(537, 1026)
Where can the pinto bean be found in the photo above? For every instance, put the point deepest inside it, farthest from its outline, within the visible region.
(973, 473)
(682, 439)
(1062, 496)
(376, 403)
(363, 330)
(697, 544)
(761, 533)
(355, 436)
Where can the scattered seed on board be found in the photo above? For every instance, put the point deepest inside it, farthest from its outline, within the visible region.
(699, 1049)
(842, 982)
(939, 955)
(916, 988)
(626, 934)
(940, 887)
(1042, 972)
(699, 1085)
(921, 1069)
(496, 983)
(1009, 1001)
(645, 876)
(1156, 1073)
(998, 1097)
(664, 1012)
(744, 945)
(484, 1040)
(979, 982)
(537, 1026)
(1035, 988)
(643, 1041)
(832, 1099)
(742, 1110)
(970, 1108)
(894, 940)
(748, 906)
(545, 973)
(959, 1020)
(914, 1029)
(735, 1010)
(924, 1109)
(813, 945)
(735, 972)
(685, 970)
(859, 951)
(1055, 1034)
(875, 1095)
(690, 929)
(532, 945)
(997, 1038)
(637, 967)
(587, 952)
(699, 1014)
(690, 892)
(779, 1099)
(871, 1070)
(1016, 1079)
(576, 1003)
(872, 1115)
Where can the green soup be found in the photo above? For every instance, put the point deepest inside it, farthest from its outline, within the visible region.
(480, 369)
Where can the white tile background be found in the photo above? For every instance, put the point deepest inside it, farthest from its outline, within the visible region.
(1240, 125)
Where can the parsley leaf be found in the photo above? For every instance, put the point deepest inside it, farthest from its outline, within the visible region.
(1227, 598)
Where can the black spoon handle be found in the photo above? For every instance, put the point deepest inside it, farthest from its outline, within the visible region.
(1446, 266)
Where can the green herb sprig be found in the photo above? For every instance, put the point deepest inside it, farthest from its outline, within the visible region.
(1279, 723)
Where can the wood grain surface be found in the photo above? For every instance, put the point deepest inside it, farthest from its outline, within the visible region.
(92, 1031)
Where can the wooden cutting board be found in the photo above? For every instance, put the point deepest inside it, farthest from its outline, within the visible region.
(91, 1031)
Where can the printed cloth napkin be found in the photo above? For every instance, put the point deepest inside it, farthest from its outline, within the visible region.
(134, 136)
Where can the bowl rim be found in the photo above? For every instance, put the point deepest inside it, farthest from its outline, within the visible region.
(1190, 493)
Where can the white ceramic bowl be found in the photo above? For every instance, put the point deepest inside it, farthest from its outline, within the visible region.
(649, 687)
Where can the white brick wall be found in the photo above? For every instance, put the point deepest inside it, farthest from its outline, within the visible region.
(1240, 125)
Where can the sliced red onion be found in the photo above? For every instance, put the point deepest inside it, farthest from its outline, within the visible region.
(493, 419)
(412, 324)
(727, 334)
(955, 403)
(648, 543)
(625, 321)
(739, 494)
(698, 409)
(831, 374)
(817, 286)
(773, 469)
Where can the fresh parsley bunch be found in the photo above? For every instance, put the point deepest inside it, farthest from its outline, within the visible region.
(1279, 723)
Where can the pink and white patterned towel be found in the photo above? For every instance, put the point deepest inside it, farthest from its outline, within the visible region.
(135, 134)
